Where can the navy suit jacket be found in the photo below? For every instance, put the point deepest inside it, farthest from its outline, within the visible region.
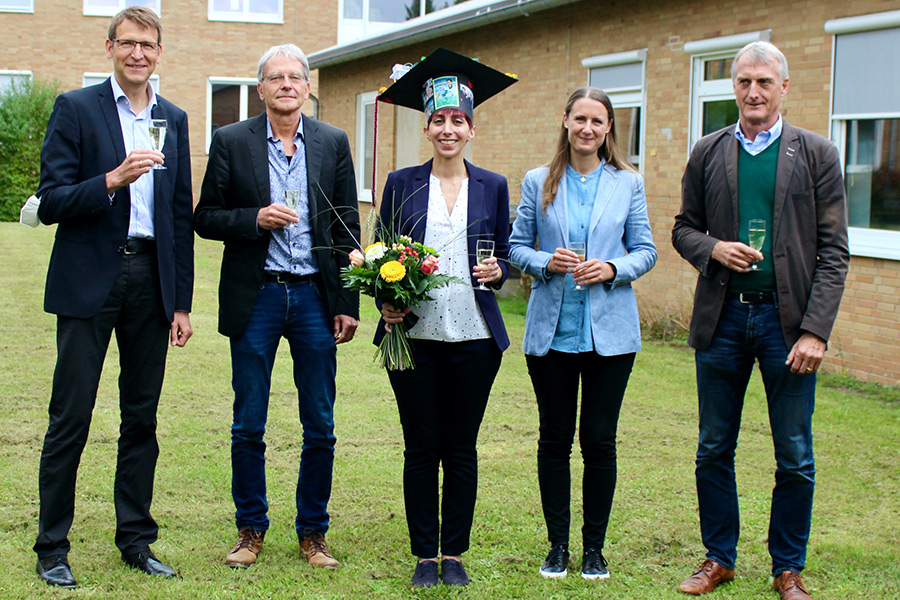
(236, 186)
(405, 203)
(84, 142)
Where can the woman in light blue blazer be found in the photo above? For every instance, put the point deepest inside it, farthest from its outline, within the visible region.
(582, 321)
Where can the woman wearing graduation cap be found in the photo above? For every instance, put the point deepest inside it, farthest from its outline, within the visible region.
(588, 210)
(458, 337)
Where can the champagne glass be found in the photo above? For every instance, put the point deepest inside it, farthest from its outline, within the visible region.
(158, 137)
(757, 230)
(292, 201)
(580, 249)
(483, 249)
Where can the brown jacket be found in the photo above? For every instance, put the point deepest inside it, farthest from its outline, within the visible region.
(809, 243)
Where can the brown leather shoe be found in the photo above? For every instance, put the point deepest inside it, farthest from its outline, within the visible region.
(316, 550)
(790, 586)
(244, 553)
(706, 579)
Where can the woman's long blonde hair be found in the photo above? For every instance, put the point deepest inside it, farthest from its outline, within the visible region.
(609, 150)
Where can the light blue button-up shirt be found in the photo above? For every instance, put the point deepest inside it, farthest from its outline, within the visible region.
(763, 139)
(136, 134)
(290, 248)
(573, 330)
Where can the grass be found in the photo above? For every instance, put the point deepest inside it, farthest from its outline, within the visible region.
(653, 539)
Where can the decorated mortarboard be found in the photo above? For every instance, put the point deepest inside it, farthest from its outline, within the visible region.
(445, 79)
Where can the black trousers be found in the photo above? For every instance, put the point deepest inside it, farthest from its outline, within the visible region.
(134, 310)
(441, 403)
(603, 380)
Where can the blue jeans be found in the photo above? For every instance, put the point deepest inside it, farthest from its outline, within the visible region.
(297, 312)
(748, 332)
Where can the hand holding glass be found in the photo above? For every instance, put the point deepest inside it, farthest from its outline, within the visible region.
(579, 249)
(158, 138)
(292, 201)
(757, 231)
(483, 249)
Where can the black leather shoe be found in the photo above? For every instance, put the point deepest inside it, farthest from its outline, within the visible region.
(146, 562)
(55, 570)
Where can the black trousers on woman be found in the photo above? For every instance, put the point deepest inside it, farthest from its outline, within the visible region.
(555, 378)
(441, 404)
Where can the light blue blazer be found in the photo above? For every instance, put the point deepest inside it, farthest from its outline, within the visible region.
(619, 234)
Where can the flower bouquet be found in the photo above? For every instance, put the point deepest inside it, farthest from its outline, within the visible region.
(400, 272)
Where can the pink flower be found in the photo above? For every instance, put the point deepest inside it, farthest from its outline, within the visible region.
(357, 259)
(430, 264)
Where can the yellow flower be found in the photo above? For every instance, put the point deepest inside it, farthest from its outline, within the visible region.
(392, 271)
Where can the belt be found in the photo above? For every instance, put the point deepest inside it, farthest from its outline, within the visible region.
(138, 246)
(754, 297)
(285, 278)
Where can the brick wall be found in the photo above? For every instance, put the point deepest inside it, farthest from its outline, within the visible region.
(515, 131)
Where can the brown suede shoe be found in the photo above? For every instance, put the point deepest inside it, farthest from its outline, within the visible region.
(244, 553)
(790, 586)
(706, 579)
(316, 550)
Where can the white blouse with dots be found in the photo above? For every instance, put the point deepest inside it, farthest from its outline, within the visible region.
(454, 314)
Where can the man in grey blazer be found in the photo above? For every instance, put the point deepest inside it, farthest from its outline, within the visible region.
(775, 304)
(280, 191)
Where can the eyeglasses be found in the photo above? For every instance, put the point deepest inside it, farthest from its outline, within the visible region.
(295, 77)
(146, 47)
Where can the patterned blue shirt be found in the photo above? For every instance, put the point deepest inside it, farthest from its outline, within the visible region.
(573, 330)
(763, 139)
(290, 248)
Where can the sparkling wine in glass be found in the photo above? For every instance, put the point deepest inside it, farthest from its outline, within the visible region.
(580, 250)
(483, 249)
(757, 230)
(158, 137)
(292, 201)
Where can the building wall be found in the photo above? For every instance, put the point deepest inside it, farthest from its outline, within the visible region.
(515, 131)
(58, 41)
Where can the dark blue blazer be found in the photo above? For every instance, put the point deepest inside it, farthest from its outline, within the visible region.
(83, 143)
(405, 202)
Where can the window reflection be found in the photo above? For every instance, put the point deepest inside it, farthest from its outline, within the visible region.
(872, 173)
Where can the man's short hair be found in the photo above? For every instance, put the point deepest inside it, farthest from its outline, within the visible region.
(290, 51)
(759, 53)
(141, 15)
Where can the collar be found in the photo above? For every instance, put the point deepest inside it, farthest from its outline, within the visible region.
(271, 137)
(119, 93)
(769, 136)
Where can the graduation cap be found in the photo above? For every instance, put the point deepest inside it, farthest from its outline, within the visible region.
(445, 79)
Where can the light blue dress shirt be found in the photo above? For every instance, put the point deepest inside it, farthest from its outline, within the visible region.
(136, 134)
(763, 139)
(290, 248)
(573, 330)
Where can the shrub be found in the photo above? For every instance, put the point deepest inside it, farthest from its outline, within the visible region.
(24, 111)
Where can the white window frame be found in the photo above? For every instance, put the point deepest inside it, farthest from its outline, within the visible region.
(713, 91)
(95, 78)
(245, 16)
(874, 243)
(17, 9)
(350, 30)
(13, 75)
(626, 97)
(363, 180)
(109, 11)
(246, 83)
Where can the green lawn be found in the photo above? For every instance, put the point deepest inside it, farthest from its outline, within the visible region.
(653, 539)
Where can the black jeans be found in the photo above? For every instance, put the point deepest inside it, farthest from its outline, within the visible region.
(555, 378)
(134, 310)
(441, 404)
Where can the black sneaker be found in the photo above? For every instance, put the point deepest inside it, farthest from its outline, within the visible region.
(426, 574)
(557, 563)
(593, 566)
(453, 573)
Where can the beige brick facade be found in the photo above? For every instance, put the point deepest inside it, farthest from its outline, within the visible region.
(516, 131)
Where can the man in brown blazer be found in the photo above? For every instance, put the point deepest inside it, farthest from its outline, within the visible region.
(774, 303)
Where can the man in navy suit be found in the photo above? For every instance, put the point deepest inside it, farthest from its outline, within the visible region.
(280, 191)
(122, 260)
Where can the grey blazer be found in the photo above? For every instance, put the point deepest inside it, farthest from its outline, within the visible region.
(809, 243)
